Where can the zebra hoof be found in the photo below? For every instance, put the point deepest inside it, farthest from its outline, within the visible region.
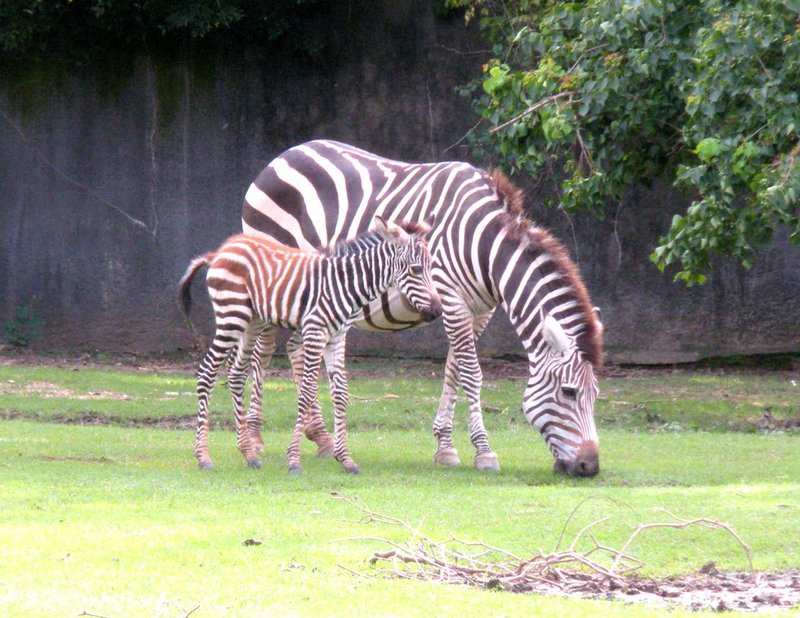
(487, 461)
(206, 465)
(325, 449)
(447, 457)
(294, 470)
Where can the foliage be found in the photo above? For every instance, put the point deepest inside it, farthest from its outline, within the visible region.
(46, 25)
(23, 328)
(703, 92)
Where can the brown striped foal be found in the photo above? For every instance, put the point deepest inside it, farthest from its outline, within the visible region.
(257, 285)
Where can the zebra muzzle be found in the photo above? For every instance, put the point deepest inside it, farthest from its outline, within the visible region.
(586, 462)
(432, 311)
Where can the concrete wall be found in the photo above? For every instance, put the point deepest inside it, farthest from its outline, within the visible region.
(113, 177)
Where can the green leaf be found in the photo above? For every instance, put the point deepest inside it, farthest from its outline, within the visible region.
(708, 148)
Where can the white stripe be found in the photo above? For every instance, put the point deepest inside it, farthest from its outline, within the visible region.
(315, 211)
(339, 182)
(264, 204)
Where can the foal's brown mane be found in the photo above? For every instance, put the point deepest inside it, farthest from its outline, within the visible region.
(521, 229)
(414, 227)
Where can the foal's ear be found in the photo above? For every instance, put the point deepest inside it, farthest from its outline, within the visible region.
(389, 230)
(421, 228)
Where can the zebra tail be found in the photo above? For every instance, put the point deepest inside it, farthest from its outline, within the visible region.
(185, 285)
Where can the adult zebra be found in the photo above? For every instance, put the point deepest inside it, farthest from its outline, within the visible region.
(485, 252)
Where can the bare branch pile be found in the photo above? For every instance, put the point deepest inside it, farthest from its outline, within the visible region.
(601, 571)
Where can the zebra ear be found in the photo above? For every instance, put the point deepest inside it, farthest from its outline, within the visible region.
(379, 225)
(422, 228)
(554, 335)
(599, 315)
(389, 230)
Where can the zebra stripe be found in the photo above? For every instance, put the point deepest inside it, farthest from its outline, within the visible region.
(256, 285)
(485, 253)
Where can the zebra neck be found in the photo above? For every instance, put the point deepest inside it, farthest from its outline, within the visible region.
(362, 277)
(527, 310)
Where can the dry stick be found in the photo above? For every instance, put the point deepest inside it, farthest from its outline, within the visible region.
(637, 564)
(684, 523)
(584, 529)
(533, 108)
(463, 137)
(614, 501)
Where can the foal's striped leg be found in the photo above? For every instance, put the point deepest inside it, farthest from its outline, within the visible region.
(315, 425)
(337, 380)
(262, 355)
(225, 339)
(313, 344)
(237, 376)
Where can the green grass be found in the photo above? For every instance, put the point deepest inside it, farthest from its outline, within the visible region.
(118, 521)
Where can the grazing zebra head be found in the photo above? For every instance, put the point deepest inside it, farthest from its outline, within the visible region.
(549, 307)
(559, 400)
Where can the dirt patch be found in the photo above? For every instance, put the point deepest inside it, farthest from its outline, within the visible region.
(509, 367)
(187, 421)
(79, 459)
(708, 589)
(769, 424)
(48, 390)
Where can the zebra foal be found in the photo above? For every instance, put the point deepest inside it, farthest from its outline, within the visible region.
(257, 285)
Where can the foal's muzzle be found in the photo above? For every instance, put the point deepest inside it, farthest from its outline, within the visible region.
(432, 311)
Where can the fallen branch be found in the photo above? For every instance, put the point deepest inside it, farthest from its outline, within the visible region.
(456, 561)
(685, 523)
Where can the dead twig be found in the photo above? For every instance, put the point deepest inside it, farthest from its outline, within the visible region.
(685, 523)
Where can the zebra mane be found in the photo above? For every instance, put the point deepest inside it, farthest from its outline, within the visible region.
(355, 246)
(364, 241)
(521, 229)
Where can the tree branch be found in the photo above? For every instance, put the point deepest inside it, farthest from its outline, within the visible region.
(534, 107)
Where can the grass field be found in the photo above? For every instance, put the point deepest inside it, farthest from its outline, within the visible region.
(110, 515)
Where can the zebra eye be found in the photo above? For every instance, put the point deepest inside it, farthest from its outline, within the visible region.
(569, 391)
(416, 269)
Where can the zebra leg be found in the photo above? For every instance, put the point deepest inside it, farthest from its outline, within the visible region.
(312, 358)
(315, 425)
(261, 357)
(337, 380)
(459, 323)
(446, 453)
(207, 373)
(237, 376)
